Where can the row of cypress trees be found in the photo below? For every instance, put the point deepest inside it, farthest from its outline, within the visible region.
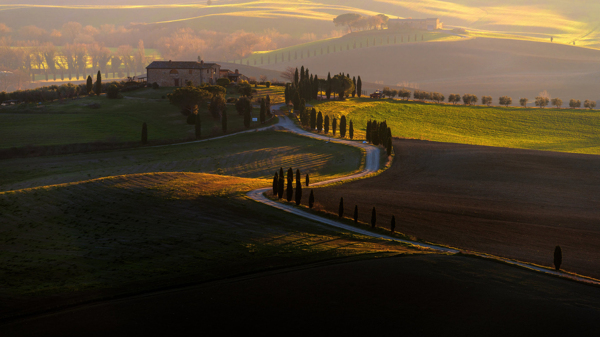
(315, 120)
(373, 216)
(378, 133)
(279, 183)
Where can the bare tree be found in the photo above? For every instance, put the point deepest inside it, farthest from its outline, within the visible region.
(288, 74)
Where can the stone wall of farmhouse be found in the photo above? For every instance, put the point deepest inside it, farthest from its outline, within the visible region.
(178, 77)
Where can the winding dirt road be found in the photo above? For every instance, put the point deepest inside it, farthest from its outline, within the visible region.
(371, 166)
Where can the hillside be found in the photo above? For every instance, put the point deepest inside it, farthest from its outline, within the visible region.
(134, 233)
(480, 66)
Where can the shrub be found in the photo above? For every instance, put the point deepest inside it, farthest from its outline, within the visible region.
(155, 86)
(268, 84)
(505, 100)
(523, 102)
(224, 82)
(113, 92)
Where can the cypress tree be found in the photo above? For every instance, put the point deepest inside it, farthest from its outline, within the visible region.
(275, 181)
(144, 133)
(280, 186)
(328, 90)
(341, 208)
(333, 125)
(263, 108)
(296, 78)
(343, 126)
(289, 191)
(88, 84)
(290, 175)
(298, 188)
(98, 83)
(351, 130)
(359, 87)
(316, 87)
(313, 119)
(307, 180)
(320, 122)
(393, 225)
(311, 199)
(302, 74)
(373, 218)
(223, 121)
(354, 91)
(198, 127)
(356, 214)
(326, 124)
(388, 147)
(557, 257)
(369, 131)
(375, 133)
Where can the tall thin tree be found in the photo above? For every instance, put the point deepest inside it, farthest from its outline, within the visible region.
(311, 199)
(356, 214)
(275, 182)
(373, 218)
(98, 88)
(341, 208)
(393, 224)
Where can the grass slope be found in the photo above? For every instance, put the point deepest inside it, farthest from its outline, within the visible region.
(250, 155)
(110, 236)
(563, 130)
(114, 121)
(357, 40)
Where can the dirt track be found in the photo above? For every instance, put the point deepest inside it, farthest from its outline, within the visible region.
(514, 203)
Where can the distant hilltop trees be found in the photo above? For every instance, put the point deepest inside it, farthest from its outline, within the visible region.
(360, 22)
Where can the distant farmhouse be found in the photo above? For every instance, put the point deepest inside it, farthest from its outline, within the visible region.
(233, 76)
(425, 24)
(177, 73)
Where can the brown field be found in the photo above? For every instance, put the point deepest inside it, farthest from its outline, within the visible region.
(480, 66)
(514, 203)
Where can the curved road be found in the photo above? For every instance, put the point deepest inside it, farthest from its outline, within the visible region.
(371, 166)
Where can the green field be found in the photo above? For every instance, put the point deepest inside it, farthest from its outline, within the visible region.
(357, 40)
(118, 120)
(563, 130)
(133, 233)
(250, 155)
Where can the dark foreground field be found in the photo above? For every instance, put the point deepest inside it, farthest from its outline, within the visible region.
(514, 203)
(411, 295)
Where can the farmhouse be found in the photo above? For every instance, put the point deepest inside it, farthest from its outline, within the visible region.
(177, 73)
(425, 24)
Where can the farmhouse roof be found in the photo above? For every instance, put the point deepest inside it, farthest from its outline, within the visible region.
(179, 65)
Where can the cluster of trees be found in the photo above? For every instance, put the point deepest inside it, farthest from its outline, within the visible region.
(542, 100)
(310, 87)
(69, 48)
(71, 61)
(190, 98)
(280, 186)
(360, 22)
(378, 133)
(314, 120)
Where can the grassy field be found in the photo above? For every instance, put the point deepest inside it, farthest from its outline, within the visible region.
(563, 130)
(121, 234)
(117, 120)
(357, 40)
(250, 155)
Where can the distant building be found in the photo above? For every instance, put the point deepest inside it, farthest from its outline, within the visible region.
(234, 77)
(177, 73)
(424, 24)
